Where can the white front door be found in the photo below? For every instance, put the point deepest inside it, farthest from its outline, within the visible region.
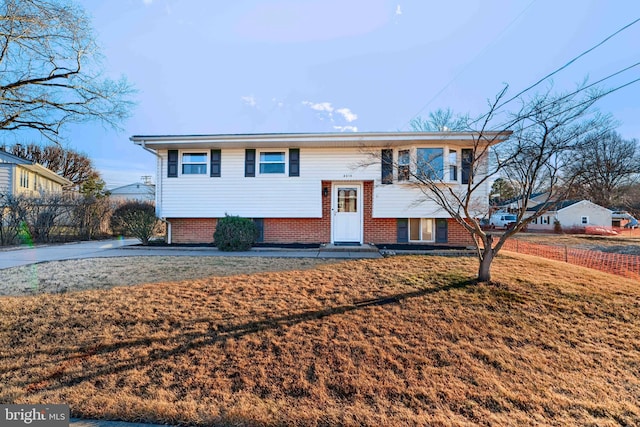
(347, 213)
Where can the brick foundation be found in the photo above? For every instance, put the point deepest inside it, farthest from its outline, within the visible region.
(192, 230)
(311, 230)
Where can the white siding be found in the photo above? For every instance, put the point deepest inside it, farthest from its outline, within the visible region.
(572, 215)
(281, 196)
(5, 178)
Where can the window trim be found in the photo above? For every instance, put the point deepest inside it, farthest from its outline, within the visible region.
(405, 170)
(284, 162)
(205, 162)
(584, 219)
(422, 221)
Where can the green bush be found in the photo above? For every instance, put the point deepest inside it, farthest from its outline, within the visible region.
(137, 219)
(234, 233)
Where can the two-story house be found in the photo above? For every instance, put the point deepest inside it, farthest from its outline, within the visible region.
(21, 176)
(336, 188)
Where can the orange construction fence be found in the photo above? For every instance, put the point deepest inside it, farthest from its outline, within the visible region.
(620, 264)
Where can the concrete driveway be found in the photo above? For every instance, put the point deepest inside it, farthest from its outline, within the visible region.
(31, 255)
(17, 257)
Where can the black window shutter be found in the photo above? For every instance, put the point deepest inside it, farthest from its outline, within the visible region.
(387, 166)
(259, 222)
(215, 163)
(403, 230)
(172, 164)
(466, 163)
(250, 162)
(294, 162)
(442, 230)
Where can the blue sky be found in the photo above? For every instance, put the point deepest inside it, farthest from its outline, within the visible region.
(204, 66)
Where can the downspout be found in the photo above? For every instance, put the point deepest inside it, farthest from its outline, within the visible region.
(159, 189)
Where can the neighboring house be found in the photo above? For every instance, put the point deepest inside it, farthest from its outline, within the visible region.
(310, 188)
(137, 191)
(514, 205)
(623, 219)
(571, 214)
(20, 176)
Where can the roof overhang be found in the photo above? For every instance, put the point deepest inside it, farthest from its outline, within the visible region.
(42, 171)
(356, 139)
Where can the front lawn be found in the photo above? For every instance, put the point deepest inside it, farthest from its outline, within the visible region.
(395, 341)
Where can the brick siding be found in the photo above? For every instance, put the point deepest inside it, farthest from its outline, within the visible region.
(192, 230)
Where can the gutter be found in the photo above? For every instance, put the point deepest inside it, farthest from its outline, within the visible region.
(141, 143)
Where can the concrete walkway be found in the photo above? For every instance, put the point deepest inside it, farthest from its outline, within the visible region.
(24, 255)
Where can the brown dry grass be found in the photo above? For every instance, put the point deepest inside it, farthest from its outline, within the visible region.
(106, 273)
(547, 344)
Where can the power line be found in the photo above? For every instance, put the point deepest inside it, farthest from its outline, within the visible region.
(574, 106)
(455, 77)
(569, 63)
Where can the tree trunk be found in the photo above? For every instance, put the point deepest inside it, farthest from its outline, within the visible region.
(484, 271)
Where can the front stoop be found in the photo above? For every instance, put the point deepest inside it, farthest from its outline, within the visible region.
(330, 247)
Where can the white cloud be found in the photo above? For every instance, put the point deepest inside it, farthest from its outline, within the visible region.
(319, 106)
(346, 128)
(327, 111)
(147, 2)
(249, 100)
(398, 10)
(348, 115)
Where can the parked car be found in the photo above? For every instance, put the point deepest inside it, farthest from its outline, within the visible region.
(502, 220)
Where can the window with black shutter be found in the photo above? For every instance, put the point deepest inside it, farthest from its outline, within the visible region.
(387, 166)
(294, 162)
(250, 162)
(172, 164)
(215, 163)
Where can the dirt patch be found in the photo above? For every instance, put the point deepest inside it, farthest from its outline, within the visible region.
(106, 273)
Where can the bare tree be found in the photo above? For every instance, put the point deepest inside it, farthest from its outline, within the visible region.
(440, 121)
(50, 71)
(540, 133)
(68, 163)
(605, 167)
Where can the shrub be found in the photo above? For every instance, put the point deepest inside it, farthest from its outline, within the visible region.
(136, 219)
(557, 227)
(234, 233)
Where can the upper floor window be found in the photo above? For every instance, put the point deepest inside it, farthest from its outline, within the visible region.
(404, 161)
(272, 162)
(430, 163)
(194, 163)
(453, 165)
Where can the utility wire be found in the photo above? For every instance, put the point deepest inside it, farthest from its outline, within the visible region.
(562, 68)
(455, 77)
(569, 63)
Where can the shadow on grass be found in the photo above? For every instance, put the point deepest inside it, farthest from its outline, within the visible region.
(187, 342)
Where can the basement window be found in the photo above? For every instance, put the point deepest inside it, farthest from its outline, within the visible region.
(421, 229)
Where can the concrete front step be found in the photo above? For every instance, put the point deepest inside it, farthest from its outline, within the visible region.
(330, 247)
